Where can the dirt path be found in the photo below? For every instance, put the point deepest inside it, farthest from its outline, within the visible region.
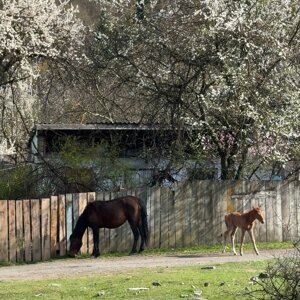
(86, 267)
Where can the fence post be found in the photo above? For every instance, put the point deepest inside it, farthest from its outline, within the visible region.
(3, 230)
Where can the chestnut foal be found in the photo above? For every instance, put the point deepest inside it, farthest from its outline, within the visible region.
(244, 221)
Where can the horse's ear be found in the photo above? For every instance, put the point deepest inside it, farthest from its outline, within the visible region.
(258, 207)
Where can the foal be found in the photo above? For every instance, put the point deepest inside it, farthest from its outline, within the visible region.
(244, 221)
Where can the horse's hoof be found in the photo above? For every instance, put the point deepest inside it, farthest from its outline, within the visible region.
(241, 254)
(234, 253)
(133, 253)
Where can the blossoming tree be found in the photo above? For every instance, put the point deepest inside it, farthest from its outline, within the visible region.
(32, 34)
(230, 69)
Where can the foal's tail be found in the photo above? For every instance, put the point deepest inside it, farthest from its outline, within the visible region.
(226, 220)
(145, 230)
(226, 223)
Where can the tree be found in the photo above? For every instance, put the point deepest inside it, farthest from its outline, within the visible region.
(33, 35)
(230, 69)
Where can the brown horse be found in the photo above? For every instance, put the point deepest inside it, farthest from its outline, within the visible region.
(244, 221)
(111, 214)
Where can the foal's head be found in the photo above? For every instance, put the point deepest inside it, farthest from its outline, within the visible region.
(75, 245)
(259, 214)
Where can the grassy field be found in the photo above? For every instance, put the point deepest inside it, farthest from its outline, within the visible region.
(226, 281)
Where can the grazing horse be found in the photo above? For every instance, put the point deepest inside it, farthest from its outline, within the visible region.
(244, 221)
(111, 214)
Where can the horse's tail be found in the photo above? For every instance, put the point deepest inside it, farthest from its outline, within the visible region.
(145, 230)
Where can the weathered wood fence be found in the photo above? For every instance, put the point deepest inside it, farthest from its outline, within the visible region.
(193, 214)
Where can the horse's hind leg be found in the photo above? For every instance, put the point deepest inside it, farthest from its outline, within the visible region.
(142, 238)
(242, 241)
(136, 235)
(225, 238)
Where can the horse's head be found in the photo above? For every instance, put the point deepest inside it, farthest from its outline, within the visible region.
(75, 245)
(259, 214)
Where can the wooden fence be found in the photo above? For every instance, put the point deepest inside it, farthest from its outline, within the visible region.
(193, 214)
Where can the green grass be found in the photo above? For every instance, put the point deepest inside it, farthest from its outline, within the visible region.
(226, 281)
(204, 249)
(176, 283)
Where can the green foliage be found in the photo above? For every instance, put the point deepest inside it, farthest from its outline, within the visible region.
(17, 183)
(83, 167)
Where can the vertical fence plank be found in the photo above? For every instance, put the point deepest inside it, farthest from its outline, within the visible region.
(156, 213)
(46, 234)
(122, 232)
(69, 218)
(285, 211)
(36, 230)
(194, 215)
(91, 197)
(27, 230)
(75, 209)
(277, 216)
(19, 230)
(12, 230)
(164, 217)
(82, 205)
(3, 231)
(187, 215)
(106, 241)
(112, 232)
(297, 194)
(208, 212)
(222, 209)
(171, 226)
(179, 215)
(62, 225)
(201, 188)
(252, 202)
(294, 217)
(102, 232)
(54, 225)
(150, 209)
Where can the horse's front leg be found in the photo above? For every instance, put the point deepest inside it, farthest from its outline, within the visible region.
(232, 240)
(242, 241)
(253, 241)
(96, 251)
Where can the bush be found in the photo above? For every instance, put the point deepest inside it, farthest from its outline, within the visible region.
(17, 183)
(281, 279)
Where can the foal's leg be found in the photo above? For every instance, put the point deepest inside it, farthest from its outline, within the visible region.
(232, 240)
(253, 241)
(242, 241)
(136, 235)
(225, 238)
(96, 251)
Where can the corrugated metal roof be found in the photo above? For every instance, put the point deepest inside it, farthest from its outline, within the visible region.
(98, 126)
